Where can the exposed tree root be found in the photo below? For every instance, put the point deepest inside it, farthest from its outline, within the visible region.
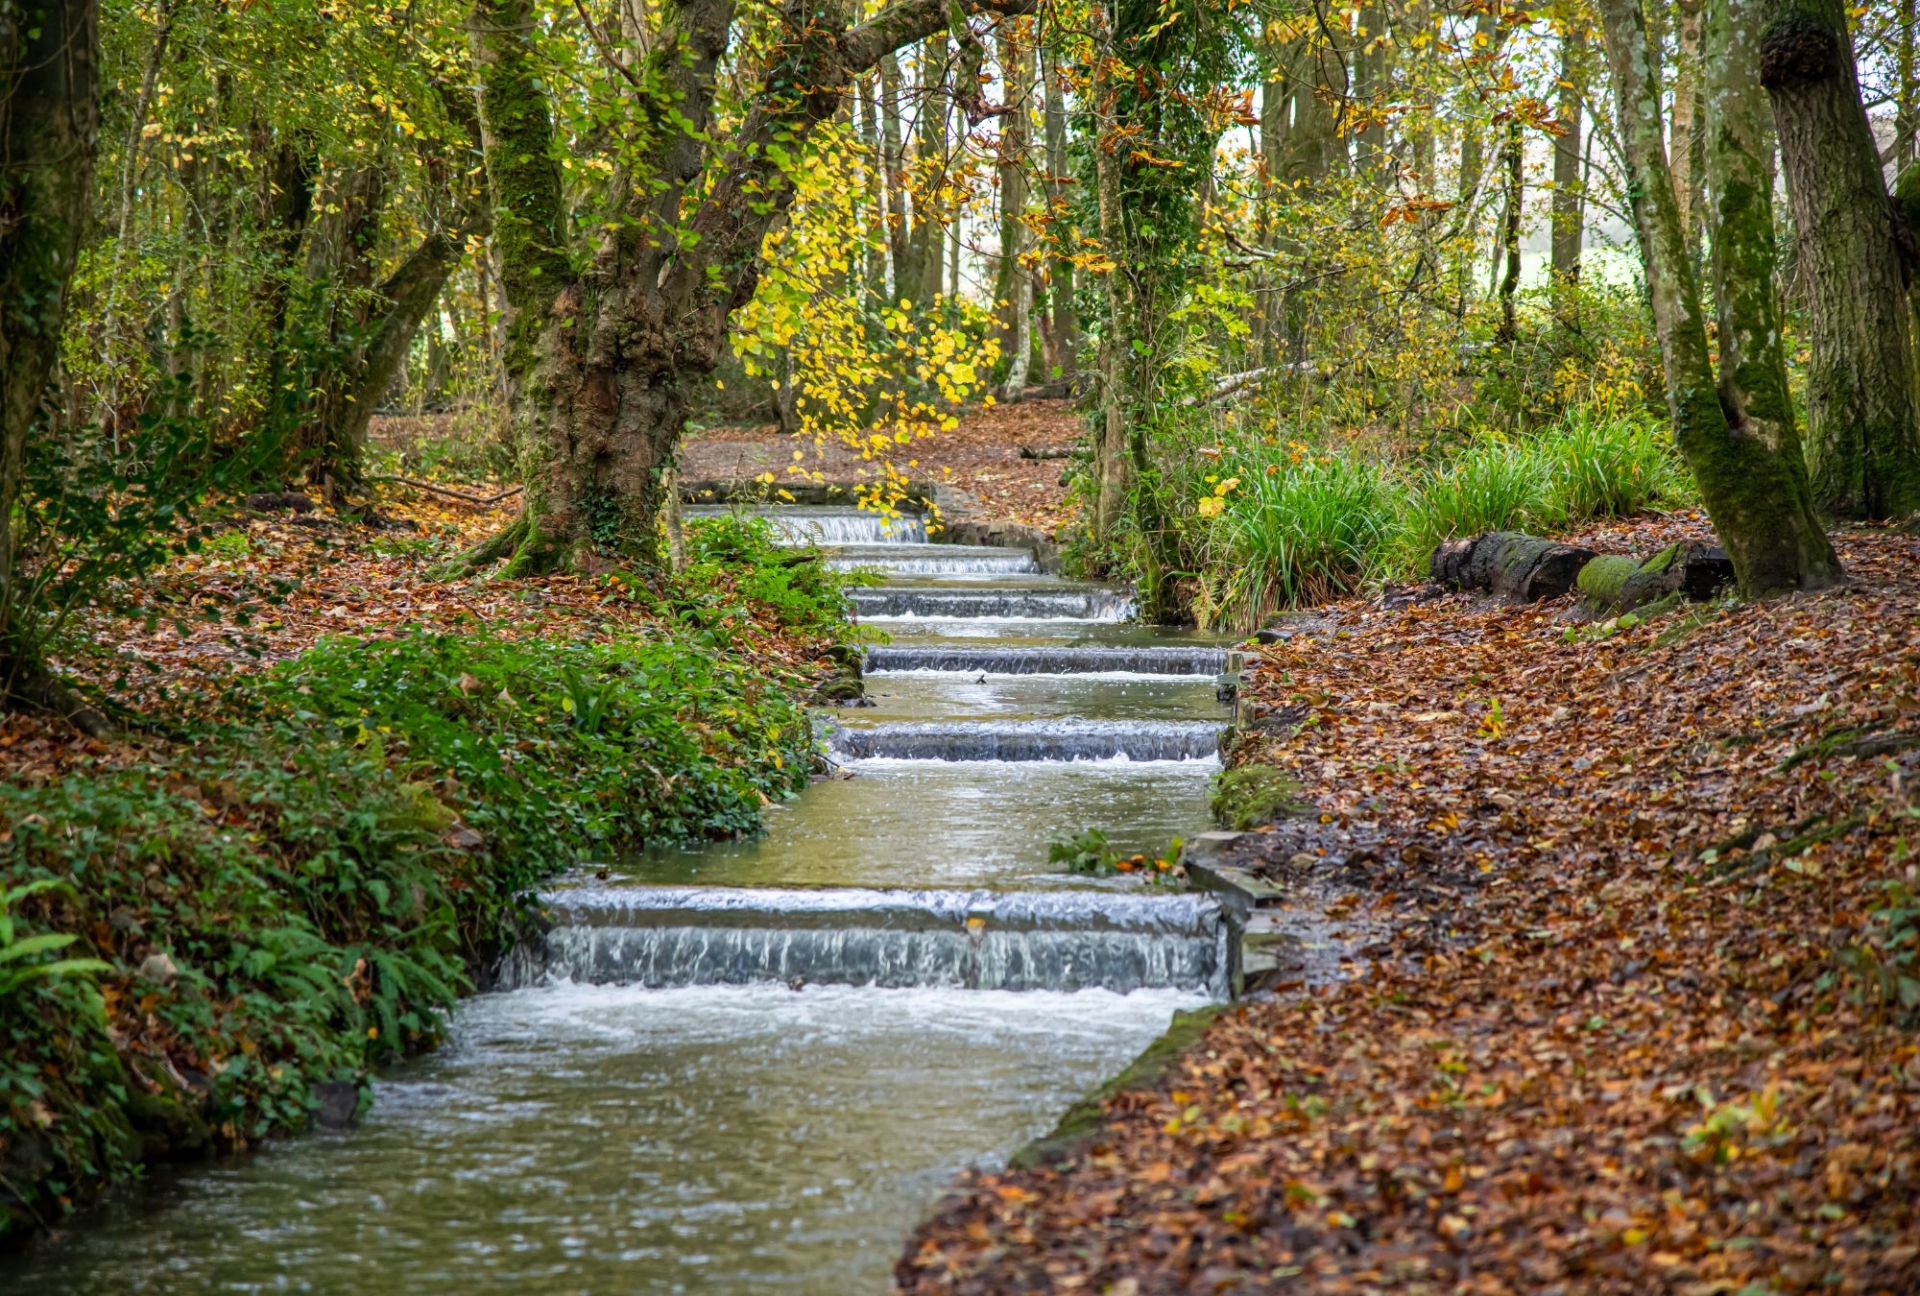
(35, 688)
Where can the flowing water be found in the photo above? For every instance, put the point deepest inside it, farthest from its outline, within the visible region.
(753, 1065)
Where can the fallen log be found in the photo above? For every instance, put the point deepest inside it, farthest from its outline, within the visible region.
(1691, 568)
(1510, 564)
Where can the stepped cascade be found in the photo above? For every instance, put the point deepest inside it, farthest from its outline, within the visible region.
(751, 1065)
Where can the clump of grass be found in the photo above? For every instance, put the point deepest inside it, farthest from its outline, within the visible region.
(1300, 529)
(1611, 465)
(1492, 485)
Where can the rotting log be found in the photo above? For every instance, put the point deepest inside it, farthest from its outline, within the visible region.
(1510, 564)
(1692, 568)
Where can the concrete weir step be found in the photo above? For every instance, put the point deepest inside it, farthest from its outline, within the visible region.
(1038, 940)
(825, 525)
(1031, 740)
(1159, 660)
(931, 559)
(1036, 603)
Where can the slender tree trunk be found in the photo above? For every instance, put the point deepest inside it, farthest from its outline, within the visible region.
(1906, 75)
(1569, 207)
(875, 276)
(1684, 151)
(1513, 154)
(49, 133)
(893, 151)
(1015, 282)
(1754, 492)
(1372, 72)
(1065, 318)
(928, 252)
(1119, 398)
(1863, 428)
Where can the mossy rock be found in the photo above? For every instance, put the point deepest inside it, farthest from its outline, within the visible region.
(839, 691)
(1252, 795)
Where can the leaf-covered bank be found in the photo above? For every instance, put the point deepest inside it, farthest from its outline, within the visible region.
(1640, 1015)
(214, 937)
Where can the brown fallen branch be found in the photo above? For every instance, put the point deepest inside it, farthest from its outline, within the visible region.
(464, 498)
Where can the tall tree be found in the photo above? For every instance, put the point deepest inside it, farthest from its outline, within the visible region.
(49, 132)
(1864, 428)
(1013, 285)
(1755, 490)
(1063, 317)
(1569, 205)
(610, 354)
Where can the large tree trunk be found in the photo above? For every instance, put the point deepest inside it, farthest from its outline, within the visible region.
(1864, 430)
(1737, 151)
(49, 133)
(1754, 491)
(621, 348)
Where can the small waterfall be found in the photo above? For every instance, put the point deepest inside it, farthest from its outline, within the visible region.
(827, 526)
(1031, 740)
(1069, 940)
(1049, 661)
(936, 560)
(1065, 603)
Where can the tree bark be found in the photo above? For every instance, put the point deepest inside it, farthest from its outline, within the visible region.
(1514, 156)
(1569, 208)
(893, 150)
(1754, 491)
(1864, 429)
(1064, 317)
(1737, 213)
(49, 134)
(1685, 149)
(1015, 283)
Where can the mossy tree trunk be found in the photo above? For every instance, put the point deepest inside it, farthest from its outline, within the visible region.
(604, 358)
(49, 133)
(1753, 483)
(1864, 428)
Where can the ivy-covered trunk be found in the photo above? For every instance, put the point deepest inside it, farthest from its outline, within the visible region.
(1864, 428)
(1750, 474)
(49, 130)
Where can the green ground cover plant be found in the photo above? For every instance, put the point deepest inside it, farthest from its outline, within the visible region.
(213, 939)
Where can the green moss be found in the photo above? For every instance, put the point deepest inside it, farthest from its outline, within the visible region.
(1251, 795)
(1083, 1120)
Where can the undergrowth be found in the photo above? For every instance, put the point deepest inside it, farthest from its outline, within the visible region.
(201, 941)
(1279, 524)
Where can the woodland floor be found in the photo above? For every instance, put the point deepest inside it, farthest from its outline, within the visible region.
(1621, 1035)
(981, 456)
(273, 582)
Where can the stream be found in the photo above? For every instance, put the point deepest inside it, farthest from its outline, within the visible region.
(753, 1066)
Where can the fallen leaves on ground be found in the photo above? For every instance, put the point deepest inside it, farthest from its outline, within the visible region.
(980, 456)
(1616, 1041)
